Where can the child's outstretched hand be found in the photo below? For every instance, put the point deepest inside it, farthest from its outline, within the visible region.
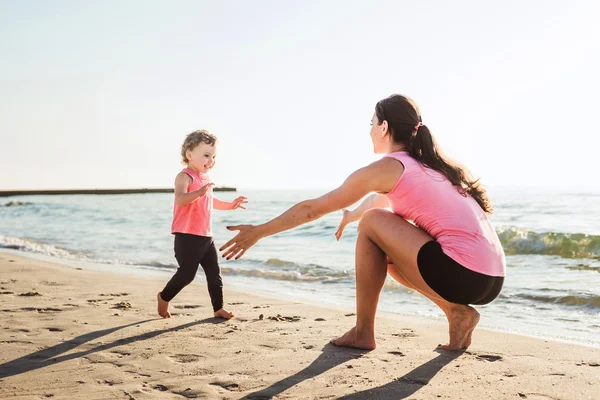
(345, 221)
(239, 203)
(202, 191)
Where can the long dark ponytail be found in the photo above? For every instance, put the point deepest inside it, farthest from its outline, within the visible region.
(405, 125)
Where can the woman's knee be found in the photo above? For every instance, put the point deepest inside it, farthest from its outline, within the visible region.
(371, 218)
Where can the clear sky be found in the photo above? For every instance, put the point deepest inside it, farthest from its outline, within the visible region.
(97, 94)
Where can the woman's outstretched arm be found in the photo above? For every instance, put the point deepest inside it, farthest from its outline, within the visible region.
(375, 200)
(380, 176)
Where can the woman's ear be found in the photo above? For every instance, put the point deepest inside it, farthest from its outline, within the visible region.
(384, 128)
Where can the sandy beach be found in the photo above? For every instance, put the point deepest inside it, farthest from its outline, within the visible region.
(69, 333)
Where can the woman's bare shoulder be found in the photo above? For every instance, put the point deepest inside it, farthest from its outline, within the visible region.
(386, 172)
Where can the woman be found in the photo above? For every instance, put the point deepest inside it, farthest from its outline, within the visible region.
(448, 251)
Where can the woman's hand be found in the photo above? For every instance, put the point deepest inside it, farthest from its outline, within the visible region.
(239, 202)
(345, 221)
(247, 237)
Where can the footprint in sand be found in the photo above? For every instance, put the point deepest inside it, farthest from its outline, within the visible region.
(122, 305)
(188, 306)
(404, 334)
(396, 353)
(30, 294)
(120, 353)
(414, 381)
(54, 329)
(114, 294)
(487, 357)
(139, 374)
(191, 393)
(231, 386)
(110, 382)
(185, 358)
(591, 364)
(51, 283)
(41, 310)
(535, 396)
(160, 387)
(16, 341)
(280, 317)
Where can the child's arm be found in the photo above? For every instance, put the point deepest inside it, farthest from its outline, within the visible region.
(375, 200)
(235, 204)
(182, 196)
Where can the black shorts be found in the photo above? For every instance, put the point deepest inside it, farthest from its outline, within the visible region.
(454, 282)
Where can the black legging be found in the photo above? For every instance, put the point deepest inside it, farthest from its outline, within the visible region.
(191, 251)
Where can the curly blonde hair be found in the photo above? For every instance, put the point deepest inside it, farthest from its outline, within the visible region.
(194, 139)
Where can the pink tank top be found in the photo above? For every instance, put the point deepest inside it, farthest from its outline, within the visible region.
(196, 217)
(425, 197)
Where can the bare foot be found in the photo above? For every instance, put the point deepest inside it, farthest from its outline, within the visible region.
(222, 313)
(352, 339)
(462, 321)
(163, 307)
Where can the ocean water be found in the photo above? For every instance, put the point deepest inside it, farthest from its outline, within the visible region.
(551, 240)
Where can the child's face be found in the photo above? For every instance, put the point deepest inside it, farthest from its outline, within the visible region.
(202, 157)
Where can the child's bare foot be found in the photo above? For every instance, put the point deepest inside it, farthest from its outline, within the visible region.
(222, 313)
(163, 307)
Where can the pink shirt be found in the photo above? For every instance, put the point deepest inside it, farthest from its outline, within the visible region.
(196, 217)
(425, 197)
